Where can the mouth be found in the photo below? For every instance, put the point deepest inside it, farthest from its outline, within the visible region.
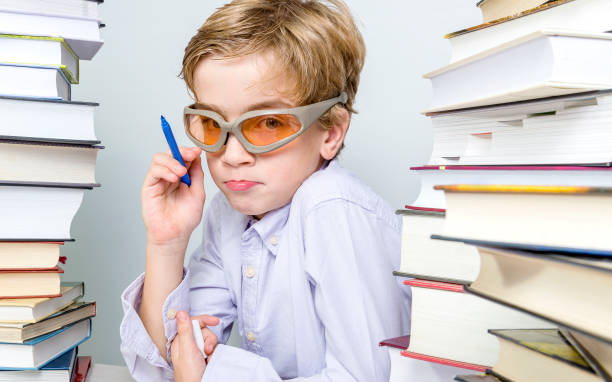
(240, 185)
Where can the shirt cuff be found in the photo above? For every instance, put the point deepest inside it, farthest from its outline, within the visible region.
(229, 363)
(134, 336)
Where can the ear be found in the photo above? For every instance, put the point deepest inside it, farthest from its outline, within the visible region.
(334, 136)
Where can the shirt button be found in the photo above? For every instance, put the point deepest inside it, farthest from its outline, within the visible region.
(250, 271)
(250, 336)
(171, 313)
(274, 240)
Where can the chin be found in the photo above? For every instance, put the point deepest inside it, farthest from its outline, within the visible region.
(247, 206)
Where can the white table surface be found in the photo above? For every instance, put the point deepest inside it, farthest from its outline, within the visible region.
(100, 372)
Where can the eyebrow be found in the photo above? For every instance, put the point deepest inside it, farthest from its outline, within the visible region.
(272, 104)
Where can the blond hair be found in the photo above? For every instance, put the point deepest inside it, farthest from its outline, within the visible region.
(316, 43)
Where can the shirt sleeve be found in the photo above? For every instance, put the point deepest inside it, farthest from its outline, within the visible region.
(203, 290)
(349, 255)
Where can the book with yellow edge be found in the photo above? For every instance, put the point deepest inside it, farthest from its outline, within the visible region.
(551, 216)
(24, 310)
(39, 51)
(21, 332)
(539, 355)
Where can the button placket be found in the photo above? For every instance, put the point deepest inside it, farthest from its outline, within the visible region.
(250, 263)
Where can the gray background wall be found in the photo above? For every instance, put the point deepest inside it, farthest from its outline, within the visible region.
(134, 78)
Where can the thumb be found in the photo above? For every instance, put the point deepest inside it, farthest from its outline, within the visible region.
(185, 332)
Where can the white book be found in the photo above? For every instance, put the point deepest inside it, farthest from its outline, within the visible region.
(542, 64)
(82, 35)
(22, 161)
(38, 213)
(84, 9)
(578, 15)
(564, 130)
(39, 351)
(33, 82)
(40, 51)
(449, 323)
(431, 176)
(46, 120)
(406, 369)
(422, 257)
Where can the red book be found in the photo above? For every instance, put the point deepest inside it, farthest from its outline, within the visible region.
(29, 283)
(451, 325)
(30, 255)
(81, 369)
(444, 361)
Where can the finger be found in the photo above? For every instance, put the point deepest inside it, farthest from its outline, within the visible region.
(174, 349)
(168, 161)
(185, 332)
(157, 173)
(196, 174)
(210, 340)
(206, 320)
(190, 153)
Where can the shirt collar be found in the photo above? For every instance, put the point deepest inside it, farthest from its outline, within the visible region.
(270, 227)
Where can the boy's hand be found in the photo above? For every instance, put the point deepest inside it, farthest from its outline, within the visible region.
(188, 361)
(170, 209)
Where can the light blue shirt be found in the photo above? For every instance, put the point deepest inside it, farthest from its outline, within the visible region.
(310, 285)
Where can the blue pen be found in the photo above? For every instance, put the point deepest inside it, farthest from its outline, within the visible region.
(174, 148)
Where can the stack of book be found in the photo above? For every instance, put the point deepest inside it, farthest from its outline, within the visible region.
(48, 151)
(507, 245)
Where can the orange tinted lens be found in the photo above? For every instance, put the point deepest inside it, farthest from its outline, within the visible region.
(204, 129)
(267, 129)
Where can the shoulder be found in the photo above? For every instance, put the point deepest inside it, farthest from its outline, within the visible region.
(337, 188)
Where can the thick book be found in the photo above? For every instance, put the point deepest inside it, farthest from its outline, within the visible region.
(422, 257)
(39, 351)
(526, 68)
(539, 355)
(448, 323)
(38, 212)
(565, 130)
(48, 121)
(19, 283)
(29, 255)
(81, 34)
(550, 286)
(40, 51)
(30, 310)
(19, 332)
(498, 9)
(404, 368)
(596, 351)
(37, 82)
(430, 176)
(582, 15)
(22, 161)
(552, 216)
(61, 369)
(78, 9)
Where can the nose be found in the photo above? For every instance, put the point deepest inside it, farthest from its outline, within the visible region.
(234, 153)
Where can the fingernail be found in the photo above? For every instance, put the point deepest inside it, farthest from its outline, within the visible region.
(209, 347)
(181, 316)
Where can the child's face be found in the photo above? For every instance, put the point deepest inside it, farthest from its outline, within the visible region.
(254, 183)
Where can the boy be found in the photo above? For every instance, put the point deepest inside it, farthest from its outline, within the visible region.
(295, 248)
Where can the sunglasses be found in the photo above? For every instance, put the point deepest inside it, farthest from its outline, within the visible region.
(259, 131)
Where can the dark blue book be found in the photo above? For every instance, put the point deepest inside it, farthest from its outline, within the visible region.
(59, 369)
